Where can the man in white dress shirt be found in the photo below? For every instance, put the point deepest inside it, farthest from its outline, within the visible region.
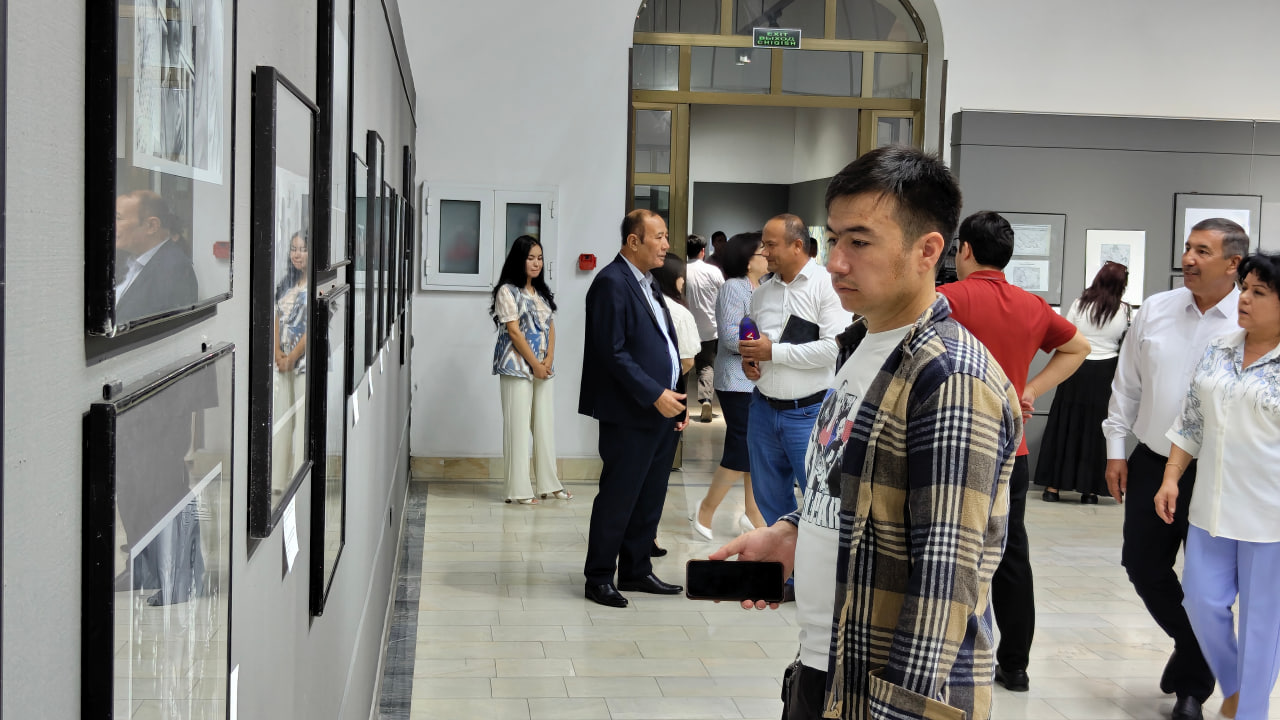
(1168, 336)
(799, 315)
(702, 286)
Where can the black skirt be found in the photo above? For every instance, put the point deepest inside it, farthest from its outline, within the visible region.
(1073, 453)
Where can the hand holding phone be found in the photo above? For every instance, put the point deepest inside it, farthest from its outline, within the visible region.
(733, 580)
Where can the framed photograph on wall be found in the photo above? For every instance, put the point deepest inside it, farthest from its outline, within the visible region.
(375, 152)
(407, 241)
(282, 288)
(386, 228)
(1039, 240)
(333, 97)
(159, 139)
(156, 603)
(356, 272)
(1127, 247)
(1191, 208)
(393, 262)
(328, 439)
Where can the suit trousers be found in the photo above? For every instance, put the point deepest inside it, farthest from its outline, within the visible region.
(1013, 595)
(628, 506)
(1150, 549)
(704, 365)
(527, 405)
(1216, 570)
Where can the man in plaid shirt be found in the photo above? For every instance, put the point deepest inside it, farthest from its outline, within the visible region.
(908, 467)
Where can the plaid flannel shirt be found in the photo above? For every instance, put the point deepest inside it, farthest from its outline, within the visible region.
(924, 498)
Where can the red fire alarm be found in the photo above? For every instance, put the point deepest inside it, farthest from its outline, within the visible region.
(586, 261)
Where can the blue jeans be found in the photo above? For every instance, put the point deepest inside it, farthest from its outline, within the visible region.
(777, 441)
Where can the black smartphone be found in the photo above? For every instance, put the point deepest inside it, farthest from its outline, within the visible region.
(733, 580)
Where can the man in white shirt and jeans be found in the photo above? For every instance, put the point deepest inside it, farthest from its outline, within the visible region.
(799, 315)
(1168, 336)
(702, 286)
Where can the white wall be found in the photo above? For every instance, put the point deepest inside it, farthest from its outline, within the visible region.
(497, 108)
(740, 144)
(826, 141)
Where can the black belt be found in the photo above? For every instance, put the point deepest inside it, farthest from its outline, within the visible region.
(794, 404)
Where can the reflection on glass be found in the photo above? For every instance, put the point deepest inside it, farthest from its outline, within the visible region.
(809, 16)
(460, 236)
(173, 563)
(897, 76)
(822, 72)
(522, 219)
(360, 182)
(289, 379)
(335, 419)
(874, 20)
(653, 141)
(894, 131)
(679, 16)
(739, 70)
(655, 67)
(338, 178)
(656, 198)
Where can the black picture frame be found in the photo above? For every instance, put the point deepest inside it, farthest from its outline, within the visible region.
(157, 543)
(406, 252)
(160, 154)
(385, 230)
(329, 439)
(333, 96)
(356, 272)
(1194, 206)
(393, 263)
(284, 212)
(404, 332)
(375, 154)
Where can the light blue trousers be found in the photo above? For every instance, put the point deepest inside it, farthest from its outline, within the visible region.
(1216, 570)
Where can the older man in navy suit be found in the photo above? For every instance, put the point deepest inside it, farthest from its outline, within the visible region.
(631, 383)
(159, 276)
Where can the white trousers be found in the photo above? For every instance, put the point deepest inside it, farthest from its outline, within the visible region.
(1215, 571)
(288, 434)
(528, 405)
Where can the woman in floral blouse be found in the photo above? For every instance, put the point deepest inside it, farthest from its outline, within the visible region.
(1231, 421)
(523, 361)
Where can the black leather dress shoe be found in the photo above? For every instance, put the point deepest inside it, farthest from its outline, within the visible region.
(1013, 680)
(650, 584)
(1167, 677)
(606, 594)
(1049, 496)
(1187, 708)
(656, 551)
(1089, 499)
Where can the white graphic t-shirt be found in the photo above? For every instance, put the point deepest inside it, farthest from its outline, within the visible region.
(818, 541)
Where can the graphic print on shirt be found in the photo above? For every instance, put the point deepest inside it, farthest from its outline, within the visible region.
(826, 449)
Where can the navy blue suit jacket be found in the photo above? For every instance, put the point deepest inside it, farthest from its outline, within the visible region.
(625, 363)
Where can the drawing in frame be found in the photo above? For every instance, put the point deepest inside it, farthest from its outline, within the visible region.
(333, 97)
(1039, 243)
(329, 440)
(1126, 247)
(159, 154)
(157, 544)
(1191, 208)
(282, 289)
(356, 271)
(375, 154)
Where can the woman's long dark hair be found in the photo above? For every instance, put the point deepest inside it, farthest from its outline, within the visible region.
(293, 274)
(672, 269)
(1101, 300)
(514, 273)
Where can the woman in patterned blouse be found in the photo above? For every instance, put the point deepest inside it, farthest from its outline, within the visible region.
(523, 360)
(1231, 421)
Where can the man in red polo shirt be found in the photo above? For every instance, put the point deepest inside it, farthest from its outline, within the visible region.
(1014, 325)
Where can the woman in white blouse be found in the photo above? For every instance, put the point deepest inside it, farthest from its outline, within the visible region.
(1073, 453)
(1231, 421)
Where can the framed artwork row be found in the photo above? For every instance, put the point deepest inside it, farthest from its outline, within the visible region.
(329, 439)
(1039, 241)
(156, 607)
(159, 160)
(282, 289)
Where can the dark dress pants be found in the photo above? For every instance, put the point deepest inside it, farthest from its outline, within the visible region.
(1150, 549)
(1013, 596)
(628, 506)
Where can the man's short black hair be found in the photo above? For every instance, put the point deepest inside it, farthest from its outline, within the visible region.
(925, 194)
(718, 236)
(1235, 241)
(990, 236)
(694, 245)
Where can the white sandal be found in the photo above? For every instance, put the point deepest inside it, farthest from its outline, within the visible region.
(559, 495)
(523, 501)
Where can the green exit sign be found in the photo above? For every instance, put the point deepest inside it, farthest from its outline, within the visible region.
(785, 38)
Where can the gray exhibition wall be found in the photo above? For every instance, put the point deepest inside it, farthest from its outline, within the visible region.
(808, 200)
(1114, 173)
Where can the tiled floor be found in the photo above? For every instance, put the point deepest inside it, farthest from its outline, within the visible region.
(504, 632)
